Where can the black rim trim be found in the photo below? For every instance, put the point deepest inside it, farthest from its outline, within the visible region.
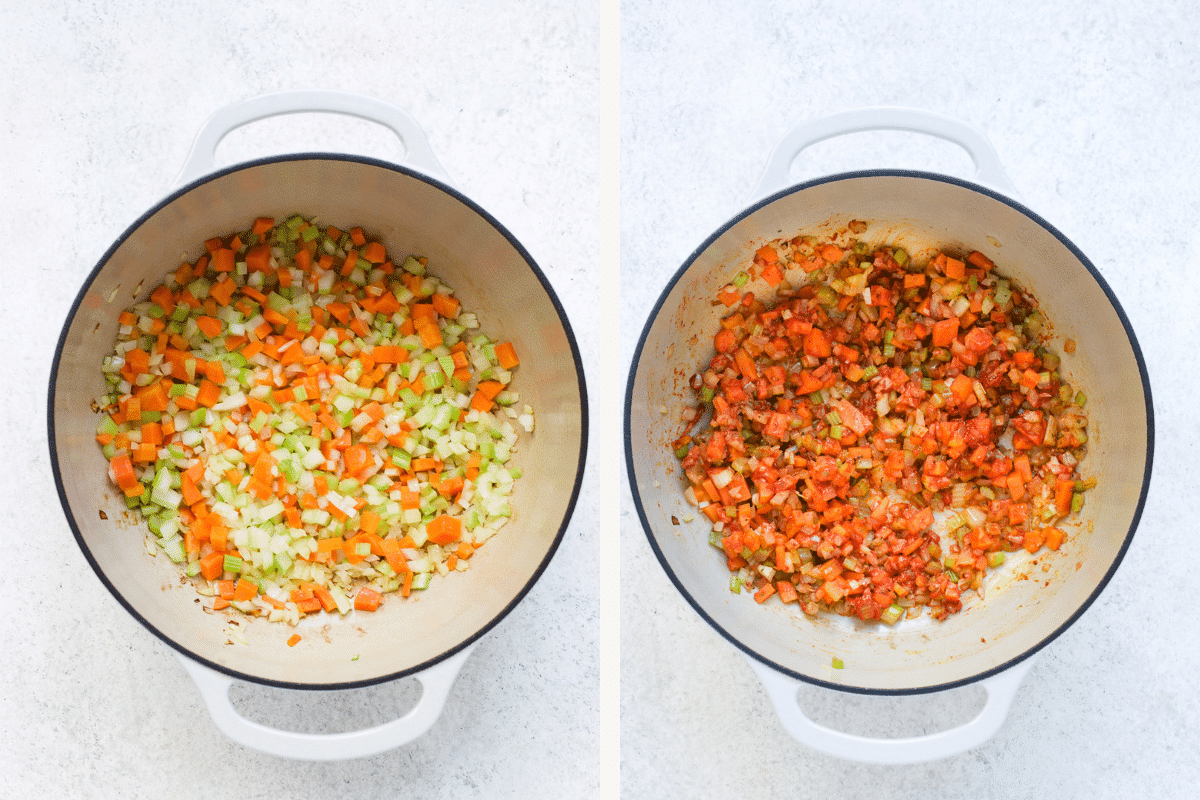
(575, 490)
(1145, 378)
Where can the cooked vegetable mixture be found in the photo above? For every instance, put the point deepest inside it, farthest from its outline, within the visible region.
(306, 425)
(884, 433)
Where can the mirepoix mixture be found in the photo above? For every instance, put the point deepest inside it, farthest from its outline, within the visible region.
(884, 432)
(307, 424)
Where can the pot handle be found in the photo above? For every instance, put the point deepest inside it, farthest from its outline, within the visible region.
(435, 688)
(1001, 690)
(988, 169)
(202, 158)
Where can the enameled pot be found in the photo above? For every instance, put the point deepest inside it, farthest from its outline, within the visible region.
(413, 209)
(991, 640)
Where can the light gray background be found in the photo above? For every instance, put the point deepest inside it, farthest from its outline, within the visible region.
(1092, 107)
(100, 104)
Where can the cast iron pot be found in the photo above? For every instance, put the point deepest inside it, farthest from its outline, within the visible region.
(412, 209)
(990, 642)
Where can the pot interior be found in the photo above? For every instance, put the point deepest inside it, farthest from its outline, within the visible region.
(491, 274)
(1025, 604)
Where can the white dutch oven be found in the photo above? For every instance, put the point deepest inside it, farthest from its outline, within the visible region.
(413, 209)
(1024, 609)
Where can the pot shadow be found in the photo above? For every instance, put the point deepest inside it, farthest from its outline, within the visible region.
(892, 716)
(325, 711)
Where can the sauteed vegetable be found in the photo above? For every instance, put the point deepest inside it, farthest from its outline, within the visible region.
(306, 425)
(883, 433)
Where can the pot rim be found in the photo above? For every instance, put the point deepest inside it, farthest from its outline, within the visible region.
(411, 173)
(873, 173)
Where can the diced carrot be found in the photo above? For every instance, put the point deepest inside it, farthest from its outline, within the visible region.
(208, 394)
(772, 274)
(409, 499)
(209, 326)
(944, 332)
(506, 355)
(189, 490)
(1016, 486)
(447, 306)
(307, 605)
(368, 522)
(218, 537)
(145, 454)
(1034, 539)
(324, 597)
(395, 559)
(258, 258)
(350, 548)
(374, 252)
(430, 333)
(978, 259)
(222, 291)
(367, 599)
(424, 464)
(831, 253)
(450, 487)
(122, 468)
(481, 402)
(330, 544)
(131, 408)
(490, 389)
(962, 387)
(1064, 490)
(443, 529)
(222, 260)
(164, 298)
(816, 343)
(1054, 538)
(787, 592)
(245, 590)
(1021, 465)
(212, 565)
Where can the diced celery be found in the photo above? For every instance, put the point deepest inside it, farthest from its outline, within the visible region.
(314, 516)
(400, 458)
(173, 547)
(290, 469)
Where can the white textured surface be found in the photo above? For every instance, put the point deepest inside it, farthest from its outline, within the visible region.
(1091, 106)
(101, 102)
